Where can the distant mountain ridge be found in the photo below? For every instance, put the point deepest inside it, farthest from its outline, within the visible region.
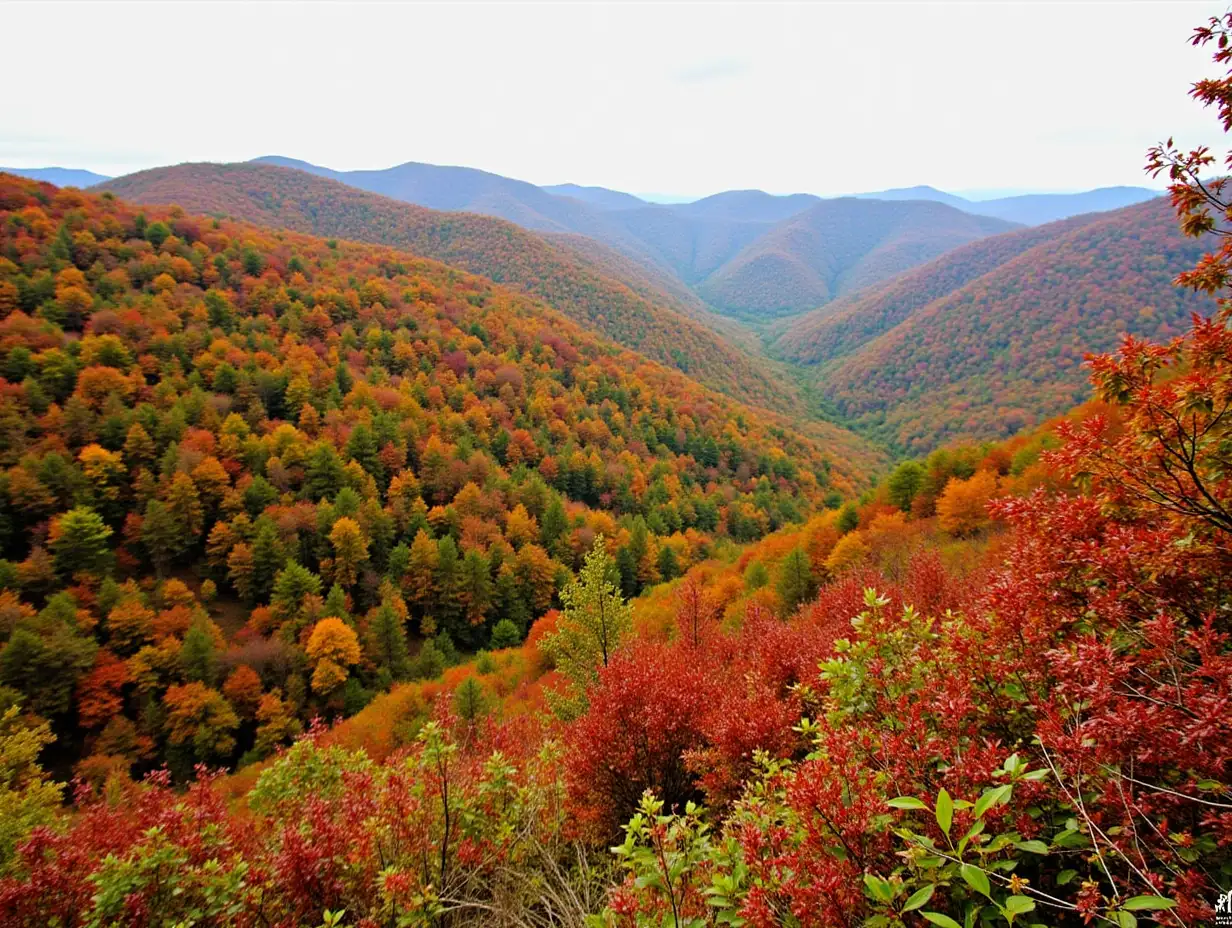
(601, 197)
(1028, 209)
(751, 255)
(61, 177)
(736, 250)
(838, 246)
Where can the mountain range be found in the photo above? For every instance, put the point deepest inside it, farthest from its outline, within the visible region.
(749, 254)
(909, 314)
(599, 288)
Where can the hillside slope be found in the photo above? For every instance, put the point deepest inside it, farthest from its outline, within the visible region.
(842, 326)
(337, 435)
(1006, 349)
(837, 246)
(292, 199)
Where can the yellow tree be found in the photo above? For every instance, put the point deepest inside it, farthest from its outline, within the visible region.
(332, 647)
(350, 551)
(962, 508)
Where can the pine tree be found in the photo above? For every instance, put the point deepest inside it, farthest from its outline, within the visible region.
(197, 653)
(267, 558)
(386, 642)
(796, 585)
(80, 542)
(162, 535)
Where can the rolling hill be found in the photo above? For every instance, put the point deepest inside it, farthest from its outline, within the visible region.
(991, 338)
(327, 415)
(748, 253)
(601, 197)
(285, 198)
(834, 247)
(60, 177)
(840, 327)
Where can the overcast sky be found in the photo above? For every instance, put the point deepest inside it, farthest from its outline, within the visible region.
(687, 99)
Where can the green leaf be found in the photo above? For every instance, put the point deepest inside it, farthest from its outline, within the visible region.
(906, 802)
(879, 889)
(945, 810)
(919, 897)
(1147, 903)
(991, 797)
(1066, 876)
(1211, 786)
(943, 920)
(1032, 847)
(976, 878)
(1125, 920)
(1019, 904)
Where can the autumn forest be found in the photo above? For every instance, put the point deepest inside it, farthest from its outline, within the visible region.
(424, 549)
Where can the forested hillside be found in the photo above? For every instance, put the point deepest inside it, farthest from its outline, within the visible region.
(248, 473)
(285, 198)
(746, 252)
(1005, 349)
(840, 327)
(835, 247)
(341, 587)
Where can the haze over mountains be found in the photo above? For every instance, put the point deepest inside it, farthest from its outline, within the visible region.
(747, 253)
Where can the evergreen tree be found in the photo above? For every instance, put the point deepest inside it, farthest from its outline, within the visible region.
(386, 642)
(470, 701)
(267, 558)
(796, 585)
(555, 523)
(197, 653)
(504, 635)
(80, 542)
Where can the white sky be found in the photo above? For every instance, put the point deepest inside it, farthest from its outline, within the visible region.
(684, 99)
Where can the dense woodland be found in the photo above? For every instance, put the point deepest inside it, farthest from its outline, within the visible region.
(341, 587)
(216, 439)
(614, 306)
(994, 353)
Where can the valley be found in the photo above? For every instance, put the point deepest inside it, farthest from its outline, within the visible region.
(422, 547)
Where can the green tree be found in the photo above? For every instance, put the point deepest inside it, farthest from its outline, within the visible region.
(197, 654)
(904, 484)
(28, 798)
(795, 584)
(848, 519)
(80, 542)
(594, 621)
(668, 564)
(554, 524)
(505, 634)
(162, 535)
(291, 585)
(44, 665)
(267, 558)
(470, 701)
(386, 642)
